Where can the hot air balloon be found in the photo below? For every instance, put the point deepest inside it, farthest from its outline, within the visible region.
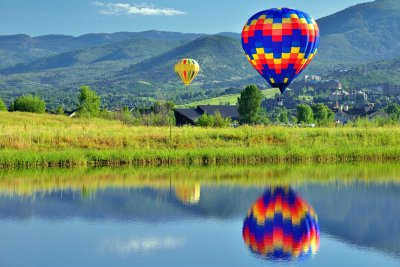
(189, 195)
(281, 226)
(280, 43)
(187, 69)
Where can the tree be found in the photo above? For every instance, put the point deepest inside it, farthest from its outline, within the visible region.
(29, 103)
(322, 114)
(164, 112)
(219, 121)
(263, 117)
(283, 116)
(89, 102)
(394, 111)
(205, 120)
(60, 111)
(249, 104)
(331, 115)
(305, 114)
(3, 107)
(293, 119)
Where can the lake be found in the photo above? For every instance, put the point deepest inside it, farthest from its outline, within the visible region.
(336, 215)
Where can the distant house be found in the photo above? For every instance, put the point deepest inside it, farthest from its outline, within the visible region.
(189, 116)
(71, 113)
(341, 116)
(288, 103)
(318, 84)
(345, 116)
(356, 113)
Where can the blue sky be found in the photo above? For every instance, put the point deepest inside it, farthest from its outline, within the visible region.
(76, 17)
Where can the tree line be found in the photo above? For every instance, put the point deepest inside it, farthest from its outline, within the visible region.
(162, 113)
(249, 107)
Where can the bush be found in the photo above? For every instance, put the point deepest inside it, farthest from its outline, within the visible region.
(205, 120)
(263, 117)
(216, 120)
(29, 103)
(60, 111)
(89, 103)
(2, 106)
(221, 122)
(394, 111)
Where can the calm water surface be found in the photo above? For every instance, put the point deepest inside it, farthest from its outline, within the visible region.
(193, 225)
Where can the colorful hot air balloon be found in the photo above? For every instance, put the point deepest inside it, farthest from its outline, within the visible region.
(189, 195)
(280, 43)
(187, 69)
(281, 226)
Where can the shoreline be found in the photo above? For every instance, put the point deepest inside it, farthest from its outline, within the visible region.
(12, 159)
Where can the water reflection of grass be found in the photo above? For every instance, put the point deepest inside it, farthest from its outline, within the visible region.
(29, 140)
(27, 182)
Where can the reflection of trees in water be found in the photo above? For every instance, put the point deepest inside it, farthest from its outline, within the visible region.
(365, 215)
(31, 181)
(88, 192)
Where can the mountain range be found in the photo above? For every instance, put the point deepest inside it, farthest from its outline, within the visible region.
(127, 68)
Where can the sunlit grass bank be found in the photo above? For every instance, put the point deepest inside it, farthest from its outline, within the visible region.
(28, 140)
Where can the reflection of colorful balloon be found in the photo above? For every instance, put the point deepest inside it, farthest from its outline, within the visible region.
(187, 69)
(282, 226)
(189, 195)
(280, 43)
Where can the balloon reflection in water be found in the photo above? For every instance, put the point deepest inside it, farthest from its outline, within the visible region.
(281, 226)
(189, 195)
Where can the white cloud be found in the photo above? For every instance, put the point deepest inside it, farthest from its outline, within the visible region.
(141, 245)
(136, 9)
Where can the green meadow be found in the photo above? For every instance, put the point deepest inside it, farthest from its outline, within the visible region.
(230, 99)
(30, 140)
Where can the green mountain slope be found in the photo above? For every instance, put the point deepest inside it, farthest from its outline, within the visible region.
(22, 48)
(221, 58)
(370, 75)
(127, 72)
(134, 50)
(363, 33)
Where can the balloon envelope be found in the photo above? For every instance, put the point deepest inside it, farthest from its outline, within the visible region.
(280, 43)
(187, 69)
(281, 226)
(189, 195)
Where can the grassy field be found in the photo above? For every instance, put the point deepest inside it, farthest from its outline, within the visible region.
(29, 140)
(229, 99)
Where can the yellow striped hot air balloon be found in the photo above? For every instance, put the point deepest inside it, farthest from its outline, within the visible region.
(187, 69)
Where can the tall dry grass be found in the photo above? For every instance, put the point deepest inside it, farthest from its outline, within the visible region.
(28, 140)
